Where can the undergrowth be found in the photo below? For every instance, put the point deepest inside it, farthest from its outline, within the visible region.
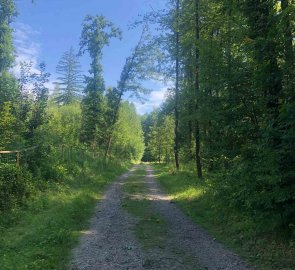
(261, 247)
(40, 233)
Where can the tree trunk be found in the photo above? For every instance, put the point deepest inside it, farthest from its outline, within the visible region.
(115, 117)
(176, 112)
(197, 89)
(289, 54)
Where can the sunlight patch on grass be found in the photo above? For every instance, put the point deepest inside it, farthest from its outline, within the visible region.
(190, 194)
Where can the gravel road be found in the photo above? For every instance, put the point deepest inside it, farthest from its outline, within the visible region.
(110, 242)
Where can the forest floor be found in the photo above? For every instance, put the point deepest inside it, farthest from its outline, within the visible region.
(137, 226)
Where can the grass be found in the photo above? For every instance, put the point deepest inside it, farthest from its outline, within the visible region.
(151, 229)
(234, 229)
(41, 234)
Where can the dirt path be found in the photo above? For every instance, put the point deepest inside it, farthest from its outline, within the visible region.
(137, 227)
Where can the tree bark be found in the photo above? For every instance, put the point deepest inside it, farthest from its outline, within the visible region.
(176, 112)
(197, 90)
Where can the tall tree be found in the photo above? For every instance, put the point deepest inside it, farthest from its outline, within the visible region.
(96, 34)
(197, 87)
(70, 78)
(8, 90)
(7, 14)
(136, 69)
(177, 78)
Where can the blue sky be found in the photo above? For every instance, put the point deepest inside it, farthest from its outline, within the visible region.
(46, 29)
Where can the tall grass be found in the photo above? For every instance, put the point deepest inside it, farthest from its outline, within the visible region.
(40, 233)
(233, 227)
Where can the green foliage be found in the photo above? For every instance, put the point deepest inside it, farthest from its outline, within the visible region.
(42, 234)
(7, 14)
(70, 80)
(236, 99)
(8, 88)
(96, 34)
(128, 137)
(251, 238)
(94, 124)
(161, 140)
(15, 186)
(63, 126)
(8, 124)
(40, 91)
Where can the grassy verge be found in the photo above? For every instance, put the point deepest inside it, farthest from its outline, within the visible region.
(151, 229)
(237, 231)
(41, 234)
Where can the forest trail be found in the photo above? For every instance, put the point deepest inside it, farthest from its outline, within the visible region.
(136, 226)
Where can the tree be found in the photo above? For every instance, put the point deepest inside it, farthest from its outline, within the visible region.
(197, 87)
(177, 73)
(7, 14)
(8, 90)
(96, 34)
(136, 69)
(128, 141)
(161, 139)
(40, 97)
(70, 78)
(8, 122)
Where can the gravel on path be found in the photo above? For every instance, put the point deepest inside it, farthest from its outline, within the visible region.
(110, 243)
(191, 237)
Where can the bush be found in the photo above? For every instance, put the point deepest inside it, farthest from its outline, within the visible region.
(15, 185)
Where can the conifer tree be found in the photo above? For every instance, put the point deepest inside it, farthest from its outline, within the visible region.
(70, 78)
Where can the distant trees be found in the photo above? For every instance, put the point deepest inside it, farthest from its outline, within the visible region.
(70, 79)
(128, 141)
(160, 143)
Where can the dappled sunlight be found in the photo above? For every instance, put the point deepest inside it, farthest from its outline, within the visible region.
(189, 194)
(88, 233)
(157, 197)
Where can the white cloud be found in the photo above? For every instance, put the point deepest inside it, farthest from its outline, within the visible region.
(154, 100)
(27, 50)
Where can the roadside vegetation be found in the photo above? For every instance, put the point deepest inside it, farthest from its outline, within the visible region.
(59, 147)
(254, 241)
(227, 125)
(41, 233)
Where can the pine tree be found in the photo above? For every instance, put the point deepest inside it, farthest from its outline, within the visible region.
(70, 78)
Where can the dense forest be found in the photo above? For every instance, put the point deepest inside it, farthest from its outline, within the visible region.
(228, 116)
(230, 113)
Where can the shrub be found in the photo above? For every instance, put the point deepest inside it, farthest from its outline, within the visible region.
(15, 185)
